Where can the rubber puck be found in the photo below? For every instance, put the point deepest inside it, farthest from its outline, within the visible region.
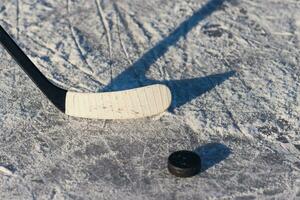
(184, 163)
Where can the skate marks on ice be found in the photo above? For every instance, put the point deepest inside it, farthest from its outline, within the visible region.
(185, 90)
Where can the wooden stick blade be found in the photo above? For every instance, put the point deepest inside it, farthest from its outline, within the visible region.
(128, 104)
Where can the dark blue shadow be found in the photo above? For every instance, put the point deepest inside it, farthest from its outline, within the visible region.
(212, 154)
(182, 90)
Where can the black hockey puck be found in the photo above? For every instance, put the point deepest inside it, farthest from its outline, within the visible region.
(184, 163)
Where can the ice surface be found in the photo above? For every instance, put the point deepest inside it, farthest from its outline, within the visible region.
(233, 67)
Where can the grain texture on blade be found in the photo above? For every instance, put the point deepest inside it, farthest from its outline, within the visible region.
(129, 104)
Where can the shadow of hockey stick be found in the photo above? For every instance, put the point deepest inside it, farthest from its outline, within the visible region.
(182, 90)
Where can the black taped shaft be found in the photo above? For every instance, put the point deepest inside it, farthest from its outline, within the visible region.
(55, 94)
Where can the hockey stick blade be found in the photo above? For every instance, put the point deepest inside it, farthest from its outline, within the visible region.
(128, 104)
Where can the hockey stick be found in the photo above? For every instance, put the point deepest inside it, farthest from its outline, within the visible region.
(135, 103)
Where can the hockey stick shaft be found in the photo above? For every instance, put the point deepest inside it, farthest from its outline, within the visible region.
(55, 94)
